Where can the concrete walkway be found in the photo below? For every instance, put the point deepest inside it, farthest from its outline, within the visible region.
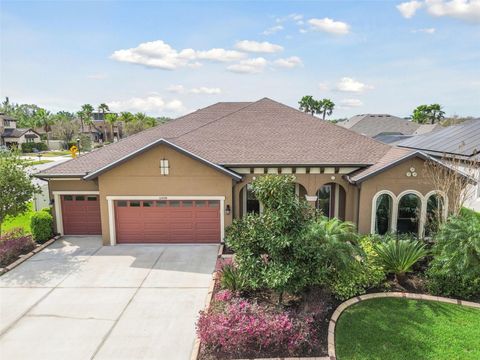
(79, 300)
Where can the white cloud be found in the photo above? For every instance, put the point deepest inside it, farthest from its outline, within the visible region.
(258, 47)
(461, 9)
(159, 54)
(330, 26)
(349, 103)
(273, 30)
(347, 84)
(408, 9)
(302, 31)
(179, 89)
(249, 66)
(425, 31)
(205, 90)
(290, 62)
(154, 104)
(323, 86)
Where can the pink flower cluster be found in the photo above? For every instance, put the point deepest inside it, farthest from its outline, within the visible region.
(242, 327)
(223, 295)
(12, 245)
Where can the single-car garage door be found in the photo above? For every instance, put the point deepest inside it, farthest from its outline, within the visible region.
(167, 221)
(81, 215)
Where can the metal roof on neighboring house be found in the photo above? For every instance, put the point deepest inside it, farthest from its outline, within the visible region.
(376, 124)
(463, 140)
(264, 132)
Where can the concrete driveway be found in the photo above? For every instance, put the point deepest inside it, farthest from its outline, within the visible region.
(79, 300)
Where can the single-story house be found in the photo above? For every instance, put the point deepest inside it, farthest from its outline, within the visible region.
(186, 180)
(380, 124)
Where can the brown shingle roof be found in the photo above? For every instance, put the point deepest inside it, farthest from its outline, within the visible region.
(259, 133)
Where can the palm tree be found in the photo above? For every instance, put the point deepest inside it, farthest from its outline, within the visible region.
(436, 113)
(327, 107)
(112, 120)
(309, 105)
(126, 117)
(45, 119)
(103, 108)
(85, 115)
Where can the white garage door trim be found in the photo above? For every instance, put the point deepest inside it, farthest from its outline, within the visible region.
(57, 201)
(111, 209)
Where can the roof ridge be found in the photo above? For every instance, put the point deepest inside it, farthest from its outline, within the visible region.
(215, 120)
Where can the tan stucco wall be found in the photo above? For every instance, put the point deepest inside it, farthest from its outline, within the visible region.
(395, 180)
(141, 177)
(311, 182)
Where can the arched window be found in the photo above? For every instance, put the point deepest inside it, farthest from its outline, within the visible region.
(434, 215)
(409, 208)
(383, 214)
(300, 191)
(252, 205)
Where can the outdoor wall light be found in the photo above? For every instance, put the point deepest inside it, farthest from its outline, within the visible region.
(228, 210)
(333, 177)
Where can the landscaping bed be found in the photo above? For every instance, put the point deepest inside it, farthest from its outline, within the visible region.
(393, 328)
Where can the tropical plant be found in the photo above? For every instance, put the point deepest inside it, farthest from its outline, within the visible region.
(398, 256)
(455, 267)
(103, 108)
(428, 114)
(85, 115)
(231, 278)
(326, 107)
(309, 105)
(45, 120)
(16, 187)
(111, 119)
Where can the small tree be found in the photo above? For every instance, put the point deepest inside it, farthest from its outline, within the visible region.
(45, 119)
(103, 108)
(326, 107)
(111, 119)
(428, 114)
(309, 105)
(16, 187)
(454, 177)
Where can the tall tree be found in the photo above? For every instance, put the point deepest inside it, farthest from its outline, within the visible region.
(65, 128)
(103, 108)
(16, 186)
(428, 114)
(85, 115)
(309, 105)
(111, 119)
(326, 107)
(45, 119)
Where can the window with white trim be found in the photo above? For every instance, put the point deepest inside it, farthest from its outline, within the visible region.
(164, 167)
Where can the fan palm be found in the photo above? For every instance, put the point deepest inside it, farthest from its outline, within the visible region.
(327, 107)
(85, 115)
(103, 108)
(45, 119)
(111, 119)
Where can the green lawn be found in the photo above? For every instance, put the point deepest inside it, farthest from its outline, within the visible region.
(21, 221)
(38, 162)
(401, 329)
(51, 153)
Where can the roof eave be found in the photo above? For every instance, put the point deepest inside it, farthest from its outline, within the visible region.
(110, 166)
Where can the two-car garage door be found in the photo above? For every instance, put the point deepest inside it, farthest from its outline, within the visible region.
(146, 221)
(167, 221)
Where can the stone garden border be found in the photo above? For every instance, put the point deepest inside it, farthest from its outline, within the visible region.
(28, 255)
(342, 307)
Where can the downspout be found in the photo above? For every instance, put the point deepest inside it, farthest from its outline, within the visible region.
(359, 187)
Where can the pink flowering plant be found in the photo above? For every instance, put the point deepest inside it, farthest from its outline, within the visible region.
(243, 328)
(13, 244)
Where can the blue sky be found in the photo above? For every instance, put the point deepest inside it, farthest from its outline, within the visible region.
(170, 58)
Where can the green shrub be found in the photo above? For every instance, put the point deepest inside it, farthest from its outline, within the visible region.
(398, 256)
(85, 143)
(362, 273)
(29, 147)
(455, 268)
(231, 278)
(41, 225)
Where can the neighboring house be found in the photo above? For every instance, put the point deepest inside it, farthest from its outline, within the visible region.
(454, 143)
(11, 136)
(95, 130)
(373, 125)
(185, 181)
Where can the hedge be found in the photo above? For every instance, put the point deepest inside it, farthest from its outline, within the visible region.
(29, 147)
(41, 225)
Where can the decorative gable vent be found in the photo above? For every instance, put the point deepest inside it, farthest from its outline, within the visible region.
(164, 167)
